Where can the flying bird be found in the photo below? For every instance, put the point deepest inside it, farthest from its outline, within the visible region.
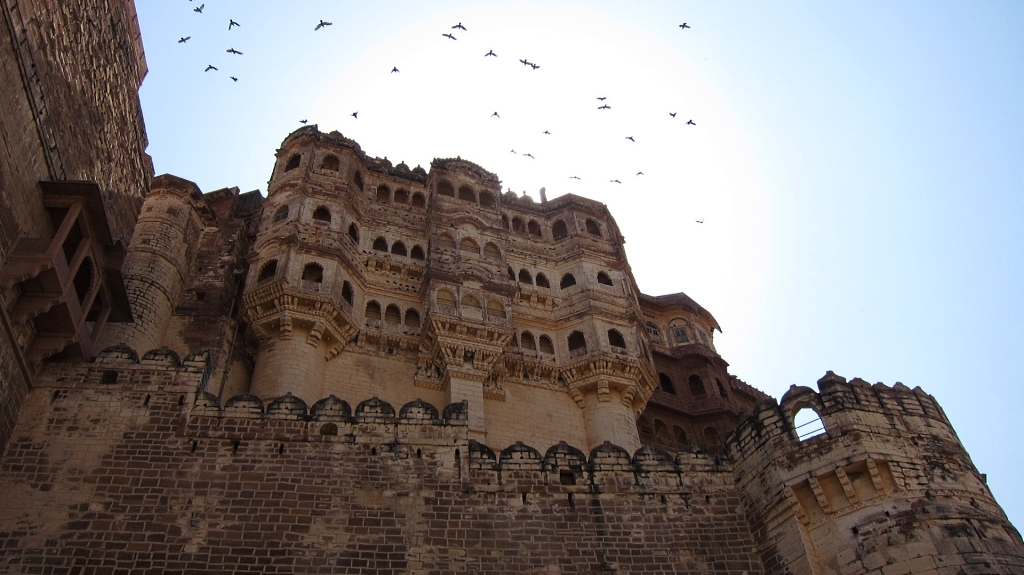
(458, 26)
(184, 39)
(684, 25)
(233, 51)
(514, 152)
(534, 66)
(395, 69)
(303, 121)
(449, 36)
(639, 173)
(630, 138)
(614, 182)
(199, 9)
(321, 25)
(530, 156)
(495, 114)
(673, 114)
(546, 133)
(355, 115)
(210, 67)
(602, 98)
(700, 221)
(524, 61)
(233, 78)
(491, 53)
(575, 178)
(690, 123)
(232, 23)
(604, 107)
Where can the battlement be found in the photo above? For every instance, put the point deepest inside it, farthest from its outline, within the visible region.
(845, 408)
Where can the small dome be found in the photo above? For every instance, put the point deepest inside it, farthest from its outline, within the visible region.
(402, 166)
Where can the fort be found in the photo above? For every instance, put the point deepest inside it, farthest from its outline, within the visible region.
(385, 369)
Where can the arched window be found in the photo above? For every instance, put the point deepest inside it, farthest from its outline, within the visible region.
(322, 214)
(527, 341)
(517, 225)
(373, 314)
(711, 437)
(495, 309)
(807, 423)
(445, 298)
(679, 435)
(401, 196)
(313, 273)
(330, 162)
(577, 343)
(504, 221)
(568, 280)
(593, 228)
(486, 200)
(680, 334)
(358, 179)
(542, 281)
(468, 247)
(492, 252)
(353, 232)
(467, 194)
(445, 241)
(524, 277)
(644, 425)
(380, 244)
(417, 253)
(696, 386)
(412, 319)
(665, 384)
(418, 200)
(545, 345)
(83, 280)
(615, 339)
(281, 214)
(603, 279)
(293, 162)
(383, 194)
(721, 389)
(346, 292)
(471, 305)
(398, 248)
(511, 274)
(445, 189)
(559, 231)
(652, 330)
(661, 432)
(268, 271)
(534, 228)
(392, 316)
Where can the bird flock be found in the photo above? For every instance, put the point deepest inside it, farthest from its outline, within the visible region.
(459, 28)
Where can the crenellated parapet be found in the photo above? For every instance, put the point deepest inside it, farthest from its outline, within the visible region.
(886, 471)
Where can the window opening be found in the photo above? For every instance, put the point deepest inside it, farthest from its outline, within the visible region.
(593, 228)
(545, 345)
(468, 246)
(322, 214)
(577, 342)
(524, 277)
(418, 200)
(330, 163)
(393, 316)
(417, 253)
(268, 271)
(398, 248)
(412, 319)
(491, 251)
(534, 228)
(495, 309)
(696, 385)
(353, 232)
(568, 280)
(665, 384)
(559, 231)
(446, 189)
(313, 273)
(679, 435)
(401, 196)
(466, 194)
(542, 281)
(373, 313)
(445, 241)
(281, 214)
(808, 424)
(603, 279)
(380, 245)
(346, 292)
(615, 339)
(293, 162)
(383, 194)
(527, 341)
(486, 200)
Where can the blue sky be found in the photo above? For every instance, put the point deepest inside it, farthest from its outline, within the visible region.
(858, 166)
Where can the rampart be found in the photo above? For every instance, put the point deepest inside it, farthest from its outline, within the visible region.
(124, 465)
(886, 489)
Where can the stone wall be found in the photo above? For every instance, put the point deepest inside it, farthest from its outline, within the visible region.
(146, 475)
